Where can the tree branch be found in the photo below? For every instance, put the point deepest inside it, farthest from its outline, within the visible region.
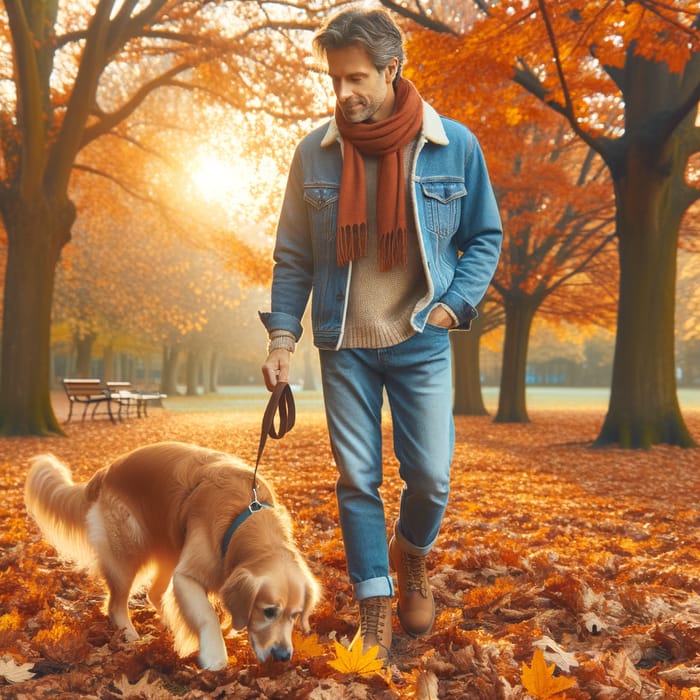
(82, 97)
(569, 111)
(107, 122)
(675, 118)
(420, 17)
(109, 176)
(526, 78)
(29, 100)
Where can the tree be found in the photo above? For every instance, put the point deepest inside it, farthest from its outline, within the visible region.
(556, 206)
(468, 399)
(688, 330)
(558, 220)
(79, 74)
(626, 77)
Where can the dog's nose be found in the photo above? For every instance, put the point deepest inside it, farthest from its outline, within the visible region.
(281, 654)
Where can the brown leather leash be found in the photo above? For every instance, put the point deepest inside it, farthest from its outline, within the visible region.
(281, 405)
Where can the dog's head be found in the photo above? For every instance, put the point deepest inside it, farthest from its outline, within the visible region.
(268, 599)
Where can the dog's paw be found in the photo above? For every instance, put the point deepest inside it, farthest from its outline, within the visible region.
(212, 664)
(130, 634)
(212, 653)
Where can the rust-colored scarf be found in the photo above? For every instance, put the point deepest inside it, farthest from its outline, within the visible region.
(386, 138)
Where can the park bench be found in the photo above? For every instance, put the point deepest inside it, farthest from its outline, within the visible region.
(89, 392)
(93, 392)
(127, 397)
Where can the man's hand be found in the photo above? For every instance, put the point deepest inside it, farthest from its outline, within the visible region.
(276, 368)
(440, 317)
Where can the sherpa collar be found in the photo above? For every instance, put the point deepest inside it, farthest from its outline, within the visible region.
(432, 129)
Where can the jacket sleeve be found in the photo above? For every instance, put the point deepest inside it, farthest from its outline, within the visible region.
(292, 274)
(479, 238)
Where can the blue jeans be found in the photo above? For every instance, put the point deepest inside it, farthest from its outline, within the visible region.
(417, 376)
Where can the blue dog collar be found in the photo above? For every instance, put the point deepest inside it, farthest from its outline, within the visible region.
(254, 507)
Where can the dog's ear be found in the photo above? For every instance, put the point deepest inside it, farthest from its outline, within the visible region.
(239, 593)
(312, 596)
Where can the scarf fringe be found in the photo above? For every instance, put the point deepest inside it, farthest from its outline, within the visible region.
(351, 243)
(392, 249)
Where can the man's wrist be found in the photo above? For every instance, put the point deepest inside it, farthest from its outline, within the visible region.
(281, 341)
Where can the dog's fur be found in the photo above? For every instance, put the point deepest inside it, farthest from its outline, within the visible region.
(167, 507)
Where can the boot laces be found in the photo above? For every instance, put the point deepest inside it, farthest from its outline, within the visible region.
(414, 567)
(372, 617)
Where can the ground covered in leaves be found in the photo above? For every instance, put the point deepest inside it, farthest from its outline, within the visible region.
(591, 556)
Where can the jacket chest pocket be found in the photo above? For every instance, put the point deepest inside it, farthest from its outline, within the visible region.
(443, 205)
(322, 206)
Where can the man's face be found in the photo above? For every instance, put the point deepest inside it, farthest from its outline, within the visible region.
(363, 93)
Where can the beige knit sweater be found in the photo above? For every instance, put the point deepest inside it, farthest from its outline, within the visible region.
(380, 304)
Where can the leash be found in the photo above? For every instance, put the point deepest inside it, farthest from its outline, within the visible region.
(281, 404)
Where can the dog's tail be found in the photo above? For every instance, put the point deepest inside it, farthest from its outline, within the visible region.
(59, 506)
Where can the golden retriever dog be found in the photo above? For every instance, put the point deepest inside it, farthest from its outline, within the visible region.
(187, 515)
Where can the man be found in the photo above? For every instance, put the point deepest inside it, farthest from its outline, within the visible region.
(390, 218)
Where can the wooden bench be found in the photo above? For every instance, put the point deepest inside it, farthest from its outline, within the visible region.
(89, 392)
(126, 396)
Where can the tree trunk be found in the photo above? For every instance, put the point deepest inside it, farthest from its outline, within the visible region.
(511, 400)
(83, 347)
(468, 400)
(171, 362)
(651, 197)
(209, 363)
(643, 408)
(36, 232)
(204, 361)
(108, 362)
(192, 373)
(213, 384)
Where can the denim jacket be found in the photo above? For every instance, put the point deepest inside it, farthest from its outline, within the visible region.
(456, 218)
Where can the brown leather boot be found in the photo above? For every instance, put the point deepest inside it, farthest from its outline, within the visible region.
(416, 608)
(375, 624)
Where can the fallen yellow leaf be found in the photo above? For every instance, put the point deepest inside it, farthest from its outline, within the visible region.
(539, 679)
(352, 660)
(307, 646)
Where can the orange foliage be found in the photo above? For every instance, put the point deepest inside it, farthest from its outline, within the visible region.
(560, 572)
(584, 37)
(557, 207)
(186, 272)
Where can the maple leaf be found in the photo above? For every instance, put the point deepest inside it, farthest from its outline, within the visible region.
(145, 686)
(352, 660)
(307, 646)
(13, 672)
(539, 680)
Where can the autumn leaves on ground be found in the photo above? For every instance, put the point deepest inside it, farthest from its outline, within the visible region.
(589, 556)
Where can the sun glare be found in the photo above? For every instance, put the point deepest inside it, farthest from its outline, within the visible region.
(222, 182)
(234, 190)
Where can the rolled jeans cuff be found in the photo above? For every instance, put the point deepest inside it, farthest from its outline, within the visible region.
(373, 587)
(409, 547)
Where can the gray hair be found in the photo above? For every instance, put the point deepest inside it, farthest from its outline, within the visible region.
(374, 30)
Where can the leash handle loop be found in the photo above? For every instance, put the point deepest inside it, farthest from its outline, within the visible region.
(281, 403)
